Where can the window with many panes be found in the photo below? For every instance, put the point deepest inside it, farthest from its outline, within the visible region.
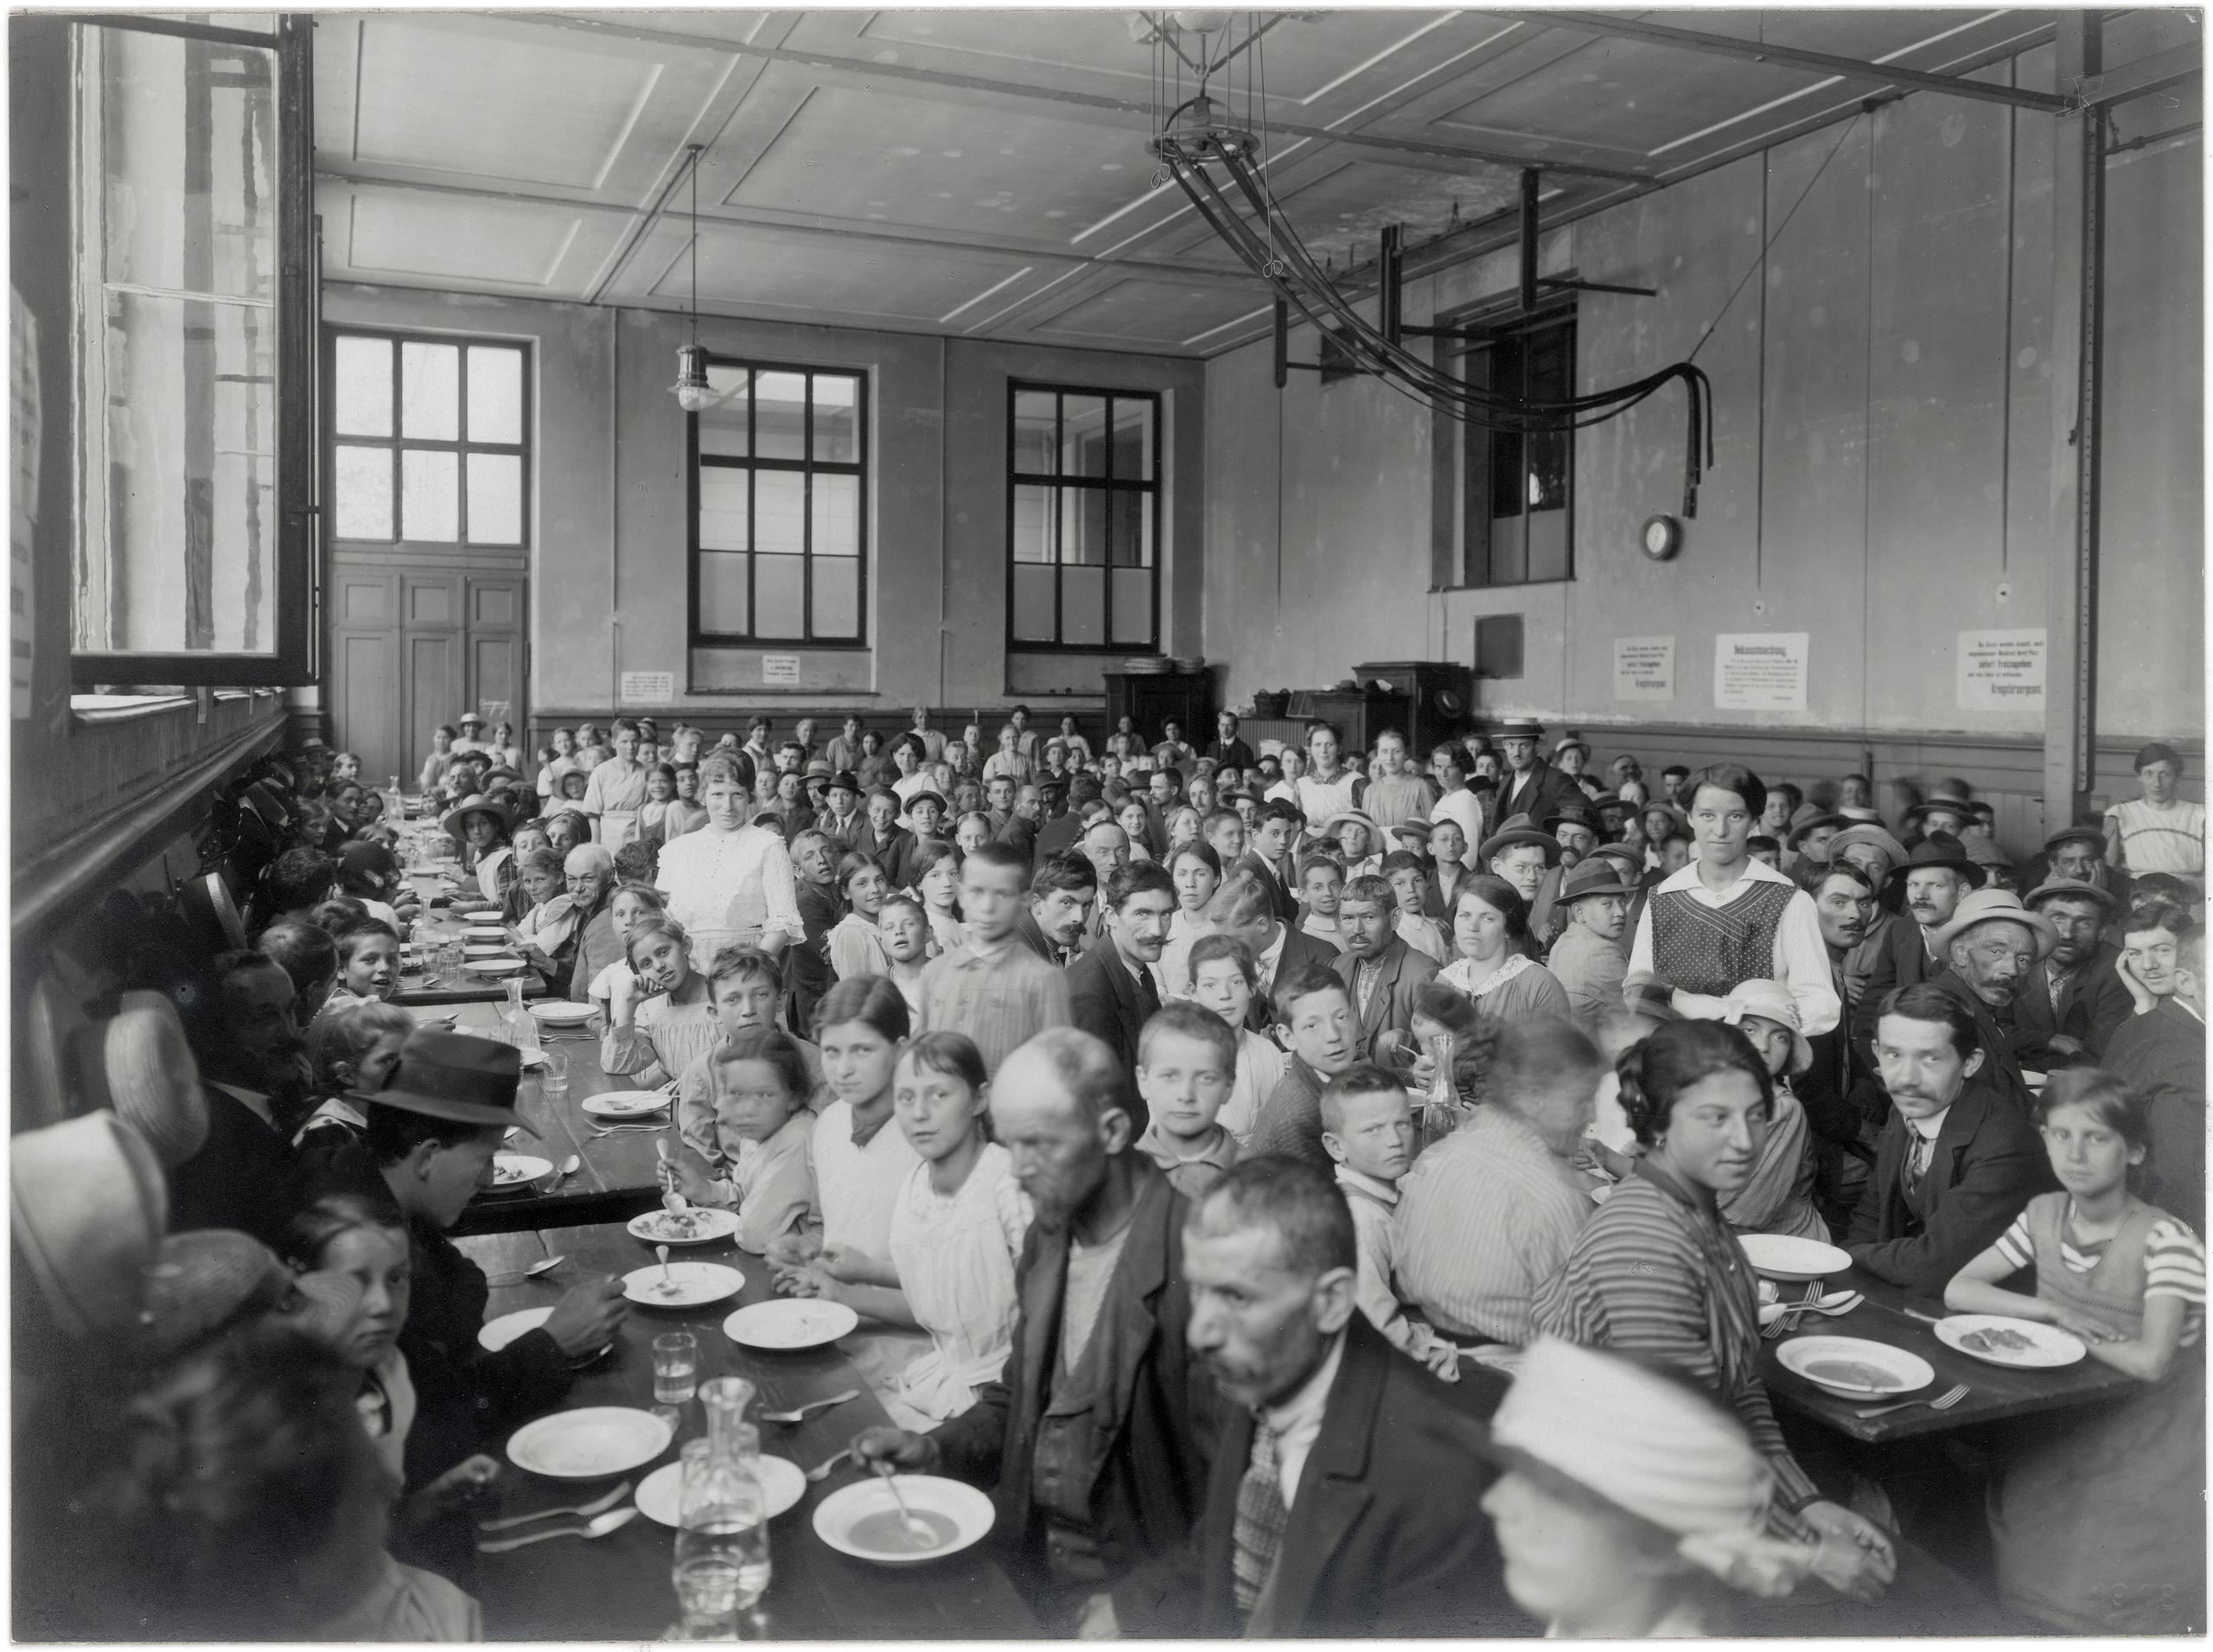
(779, 506)
(1518, 521)
(1083, 518)
(429, 440)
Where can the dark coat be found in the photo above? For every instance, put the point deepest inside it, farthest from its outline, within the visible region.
(1280, 894)
(1405, 971)
(2000, 1067)
(1903, 961)
(1016, 833)
(2091, 1007)
(2161, 1057)
(1299, 949)
(1988, 1164)
(1145, 1474)
(1027, 932)
(1386, 1538)
(887, 848)
(1059, 835)
(1105, 1001)
(1538, 794)
(238, 1179)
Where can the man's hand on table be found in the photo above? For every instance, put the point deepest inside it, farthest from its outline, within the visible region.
(896, 1448)
(587, 1317)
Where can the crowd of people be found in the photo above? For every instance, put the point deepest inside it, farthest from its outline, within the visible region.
(1316, 1176)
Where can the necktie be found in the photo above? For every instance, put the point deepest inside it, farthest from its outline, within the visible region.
(1148, 995)
(1916, 1165)
(1258, 1532)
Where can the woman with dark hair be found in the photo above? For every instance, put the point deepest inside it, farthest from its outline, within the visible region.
(1657, 1274)
(730, 883)
(1490, 921)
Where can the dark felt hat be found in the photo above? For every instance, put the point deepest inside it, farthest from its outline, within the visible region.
(1939, 849)
(452, 1075)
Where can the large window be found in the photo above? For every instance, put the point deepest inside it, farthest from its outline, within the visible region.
(1518, 520)
(780, 506)
(429, 440)
(195, 428)
(1083, 518)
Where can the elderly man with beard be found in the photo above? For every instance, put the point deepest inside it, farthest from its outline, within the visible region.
(1989, 948)
(2067, 1011)
(1933, 877)
(1345, 1497)
(1093, 1441)
(1958, 1160)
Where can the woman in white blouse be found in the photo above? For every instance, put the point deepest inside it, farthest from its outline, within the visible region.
(730, 884)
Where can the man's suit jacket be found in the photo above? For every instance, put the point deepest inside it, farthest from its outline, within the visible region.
(1017, 833)
(1405, 971)
(1385, 1537)
(1281, 896)
(1027, 932)
(1059, 835)
(1988, 1162)
(851, 832)
(2092, 1005)
(1152, 1427)
(1903, 961)
(1299, 950)
(1538, 794)
(1107, 1002)
(2161, 1057)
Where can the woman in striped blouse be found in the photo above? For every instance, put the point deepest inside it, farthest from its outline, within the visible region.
(1657, 1272)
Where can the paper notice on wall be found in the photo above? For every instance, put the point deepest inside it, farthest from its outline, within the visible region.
(780, 669)
(2001, 670)
(648, 687)
(26, 421)
(1760, 671)
(1644, 668)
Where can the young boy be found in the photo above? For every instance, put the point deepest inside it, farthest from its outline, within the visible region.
(1407, 873)
(902, 929)
(1186, 1061)
(1367, 1127)
(746, 986)
(751, 1152)
(1320, 886)
(992, 988)
(1315, 1009)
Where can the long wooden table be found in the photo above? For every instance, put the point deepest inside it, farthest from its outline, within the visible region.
(1996, 1392)
(617, 1588)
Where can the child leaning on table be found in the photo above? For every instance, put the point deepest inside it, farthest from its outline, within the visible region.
(753, 1157)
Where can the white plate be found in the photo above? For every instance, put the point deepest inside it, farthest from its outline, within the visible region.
(486, 949)
(625, 1104)
(968, 1510)
(498, 1333)
(484, 932)
(2048, 1344)
(1780, 1257)
(512, 1170)
(493, 966)
(790, 1322)
(1854, 1367)
(660, 1492)
(690, 1284)
(706, 1224)
(533, 1058)
(589, 1444)
(555, 1013)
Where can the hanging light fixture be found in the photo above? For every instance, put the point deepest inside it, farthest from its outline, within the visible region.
(692, 391)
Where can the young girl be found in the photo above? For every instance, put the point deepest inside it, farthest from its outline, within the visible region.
(630, 904)
(1223, 979)
(751, 1155)
(937, 880)
(574, 781)
(1197, 871)
(687, 813)
(482, 827)
(903, 930)
(854, 947)
(660, 794)
(972, 832)
(2099, 1519)
(1779, 1197)
(859, 1161)
(351, 1049)
(368, 962)
(655, 1040)
(1136, 821)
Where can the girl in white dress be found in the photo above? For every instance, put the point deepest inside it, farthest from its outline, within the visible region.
(657, 1039)
(1224, 978)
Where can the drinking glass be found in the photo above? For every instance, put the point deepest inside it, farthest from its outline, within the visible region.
(676, 1367)
(553, 1077)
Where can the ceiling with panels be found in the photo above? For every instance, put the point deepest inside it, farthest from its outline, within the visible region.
(983, 174)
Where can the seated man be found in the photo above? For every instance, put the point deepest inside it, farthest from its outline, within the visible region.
(1958, 1160)
(242, 1026)
(1093, 1441)
(1382, 972)
(1059, 907)
(1933, 879)
(2068, 1011)
(1490, 1213)
(1992, 945)
(2161, 1057)
(1345, 1495)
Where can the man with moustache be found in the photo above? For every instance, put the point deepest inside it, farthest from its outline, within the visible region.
(1992, 945)
(1344, 1500)
(1381, 972)
(2068, 1011)
(1867, 845)
(1844, 1116)
(1093, 1443)
(1934, 879)
(1111, 990)
(1057, 916)
(1529, 786)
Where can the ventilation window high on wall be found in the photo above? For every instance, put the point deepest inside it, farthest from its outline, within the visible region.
(429, 440)
(1518, 490)
(780, 506)
(1083, 519)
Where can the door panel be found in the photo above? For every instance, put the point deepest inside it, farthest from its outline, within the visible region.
(365, 709)
(413, 647)
(434, 683)
(495, 649)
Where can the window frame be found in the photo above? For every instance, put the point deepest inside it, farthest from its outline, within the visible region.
(1515, 330)
(1108, 485)
(291, 662)
(396, 443)
(806, 467)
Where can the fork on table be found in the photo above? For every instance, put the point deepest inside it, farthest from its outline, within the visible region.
(1943, 1401)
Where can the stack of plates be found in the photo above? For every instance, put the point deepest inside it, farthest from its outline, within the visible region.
(1147, 665)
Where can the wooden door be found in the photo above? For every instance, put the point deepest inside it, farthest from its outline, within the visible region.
(415, 645)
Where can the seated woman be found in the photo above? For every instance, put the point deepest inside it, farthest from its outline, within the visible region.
(1778, 1197)
(1656, 1274)
(1222, 978)
(434, 765)
(1196, 870)
(654, 1039)
(481, 824)
(2098, 1516)
(1489, 921)
(503, 749)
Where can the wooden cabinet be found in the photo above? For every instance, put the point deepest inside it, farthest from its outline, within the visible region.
(1150, 698)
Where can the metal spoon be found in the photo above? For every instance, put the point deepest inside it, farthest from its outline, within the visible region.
(596, 1506)
(915, 1528)
(570, 1166)
(529, 1272)
(795, 1414)
(667, 1284)
(612, 1521)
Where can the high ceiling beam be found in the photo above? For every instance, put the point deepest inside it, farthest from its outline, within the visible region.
(1607, 25)
(2144, 77)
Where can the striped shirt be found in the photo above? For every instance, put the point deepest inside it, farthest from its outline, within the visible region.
(2171, 840)
(1001, 996)
(1485, 1218)
(1657, 1274)
(2174, 1264)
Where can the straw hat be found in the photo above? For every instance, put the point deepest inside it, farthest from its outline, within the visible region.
(1520, 728)
(457, 818)
(1413, 830)
(1994, 906)
(452, 1075)
(1770, 1001)
(213, 912)
(137, 1065)
(87, 1212)
(203, 1281)
(1349, 817)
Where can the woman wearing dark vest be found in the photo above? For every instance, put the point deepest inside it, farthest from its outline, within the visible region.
(1726, 918)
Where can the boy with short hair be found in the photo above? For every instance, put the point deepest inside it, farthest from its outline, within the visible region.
(993, 987)
(1314, 1008)
(752, 1152)
(746, 986)
(1407, 873)
(1320, 886)
(1368, 1128)
(1186, 1061)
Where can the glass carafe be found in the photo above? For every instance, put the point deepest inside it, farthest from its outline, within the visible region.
(521, 1025)
(721, 1567)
